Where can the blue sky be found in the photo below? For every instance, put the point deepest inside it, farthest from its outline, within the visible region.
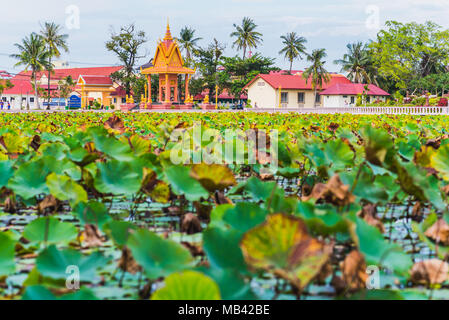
(329, 24)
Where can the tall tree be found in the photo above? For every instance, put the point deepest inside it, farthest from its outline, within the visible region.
(247, 36)
(294, 47)
(5, 84)
(209, 61)
(405, 51)
(54, 41)
(316, 72)
(33, 55)
(357, 63)
(126, 45)
(188, 42)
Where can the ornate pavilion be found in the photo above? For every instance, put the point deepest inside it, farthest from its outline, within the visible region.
(168, 64)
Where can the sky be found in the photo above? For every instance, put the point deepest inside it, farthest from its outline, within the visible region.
(329, 24)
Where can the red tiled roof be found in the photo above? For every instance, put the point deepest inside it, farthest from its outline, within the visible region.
(353, 89)
(296, 82)
(97, 80)
(22, 81)
(59, 74)
(119, 92)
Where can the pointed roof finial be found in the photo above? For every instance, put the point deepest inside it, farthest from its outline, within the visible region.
(168, 35)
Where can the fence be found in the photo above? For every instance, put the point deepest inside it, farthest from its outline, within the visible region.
(360, 110)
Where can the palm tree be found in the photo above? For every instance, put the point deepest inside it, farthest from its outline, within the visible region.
(246, 35)
(54, 41)
(357, 63)
(294, 47)
(188, 41)
(33, 55)
(316, 72)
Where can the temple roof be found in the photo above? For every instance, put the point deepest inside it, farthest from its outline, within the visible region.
(168, 58)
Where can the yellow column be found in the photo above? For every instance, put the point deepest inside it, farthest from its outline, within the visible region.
(187, 94)
(280, 97)
(82, 97)
(167, 89)
(149, 89)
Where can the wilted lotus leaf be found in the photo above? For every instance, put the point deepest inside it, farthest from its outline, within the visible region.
(128, 263)
(115, 123)
(353, 269)
(213, 177)
(283, 246)
(433, 271)
(439, 161)
(188, 285)
(368, 213)
(190, 224)
(439, 232)
(378, 144)
(48, 205)
(334, 192)
(91, 236)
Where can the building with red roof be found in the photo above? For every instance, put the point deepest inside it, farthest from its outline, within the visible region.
(281, 89)
(345, 95)
(22, 93)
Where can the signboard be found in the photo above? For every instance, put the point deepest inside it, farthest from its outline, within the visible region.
(74, 102)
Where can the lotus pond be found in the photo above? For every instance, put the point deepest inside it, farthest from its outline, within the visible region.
(93, 207)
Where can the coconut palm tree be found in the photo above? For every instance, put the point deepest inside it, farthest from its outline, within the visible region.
(357, 63)
(316, 72)
(33, 55)
(54, 41)
(294, 47)
(187, 41)
(246, 35)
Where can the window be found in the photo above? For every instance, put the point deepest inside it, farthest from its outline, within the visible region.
(115, 100)
(123, 100)
(300, 97)
(345, 97)
(24, 99)
(352, 100)
(261, 84)
(318, 98)
(284, 97)
(31, 99)
(368, 99)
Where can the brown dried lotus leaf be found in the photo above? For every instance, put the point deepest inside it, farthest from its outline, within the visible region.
(439, 232)
(433, 271)
(127, 262)
(115, 123)
(353, 269)
(91, 237)
(334, 192)
(190, 224)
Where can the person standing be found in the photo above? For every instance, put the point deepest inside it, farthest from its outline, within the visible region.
(1, 104)
(9, 106)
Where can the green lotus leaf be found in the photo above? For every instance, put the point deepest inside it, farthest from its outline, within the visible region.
(183, 184)
(283, 247)
(6, 172)
(378, 251)
(7, 250)
(29, 180)
(49, 230)
(92, 212)
(119, 231)
(158, 257)
(117, 178)
(188, 285)
(222, 248)
(65, 189)
(245, 216)
(111, 146)
(57, 264)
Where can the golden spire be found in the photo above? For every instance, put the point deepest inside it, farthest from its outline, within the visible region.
(168, 35)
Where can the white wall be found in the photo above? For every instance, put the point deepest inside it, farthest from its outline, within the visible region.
(262, 94)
